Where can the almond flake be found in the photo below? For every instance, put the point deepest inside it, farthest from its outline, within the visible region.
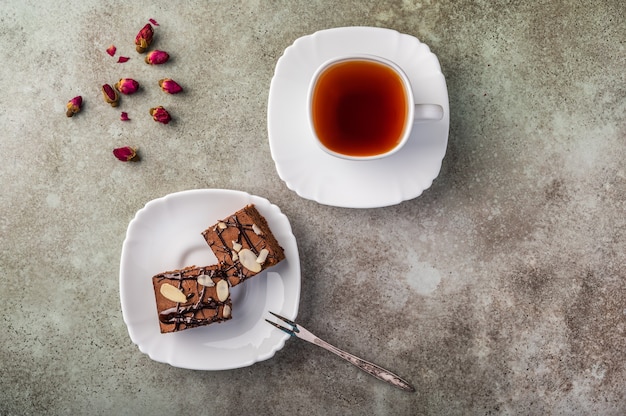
(248, 260)
(221, 225)
(262, 256)
(205, 280)
(256, 229)
(172, 293)
(222, 291)
(226, 311)
(236, 246)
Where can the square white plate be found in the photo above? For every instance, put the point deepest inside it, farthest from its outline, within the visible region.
(316, 175)
(166, 235)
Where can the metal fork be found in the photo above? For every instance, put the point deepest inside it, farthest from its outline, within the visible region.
(380, 373)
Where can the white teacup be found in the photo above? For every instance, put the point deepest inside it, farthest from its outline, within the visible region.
(362, 107)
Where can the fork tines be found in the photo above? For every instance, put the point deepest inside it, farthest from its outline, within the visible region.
(282, 328)
(292, 323)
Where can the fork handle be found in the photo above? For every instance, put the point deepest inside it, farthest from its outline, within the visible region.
(370, 368)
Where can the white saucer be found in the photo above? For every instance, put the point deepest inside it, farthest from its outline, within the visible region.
(165, 235)
(314, 174)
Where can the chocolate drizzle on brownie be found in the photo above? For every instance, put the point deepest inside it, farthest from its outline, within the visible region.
(187, 315)
(233, 222)
(248, 228)
(202, 306)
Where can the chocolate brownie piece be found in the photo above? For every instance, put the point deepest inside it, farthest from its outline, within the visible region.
(243, 244)
(191, 297)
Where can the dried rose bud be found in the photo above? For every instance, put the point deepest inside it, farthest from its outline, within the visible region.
(127, 86)
(157, 57)
(110, 95)
(125, 154)
(111, 50)
(74, 105)
(160, 114)
(124, 116)
(122, 59)
(144, 38)
(170, 86)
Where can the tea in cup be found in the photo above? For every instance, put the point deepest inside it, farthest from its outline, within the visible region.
(361, 107)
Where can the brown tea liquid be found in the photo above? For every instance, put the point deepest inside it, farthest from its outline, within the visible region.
(359, 108)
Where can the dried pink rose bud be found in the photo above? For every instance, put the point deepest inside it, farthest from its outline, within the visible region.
(122, 59)
(125, 154)
(110, 95)
(157, 57)
(74, 105)
(160, 114)
(144, 38)
(127, 86)
(124, 116)
(170, 86)
(111, 50)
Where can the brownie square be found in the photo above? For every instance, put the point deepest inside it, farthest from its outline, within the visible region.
(243, 244)
(191, 297)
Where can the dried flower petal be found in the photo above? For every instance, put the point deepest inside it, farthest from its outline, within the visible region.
(111, 50)
(157, 57)
(74, 105)
(127, 86)
(170, 86)
(160, 114)
(154, 22)
(110, 95)
(124, 116)
(125, 154)
(122, 59)
(144, 38)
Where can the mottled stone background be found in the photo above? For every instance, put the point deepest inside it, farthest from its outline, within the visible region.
(500, 290)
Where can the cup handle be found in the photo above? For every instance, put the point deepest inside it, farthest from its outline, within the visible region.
(428, 112)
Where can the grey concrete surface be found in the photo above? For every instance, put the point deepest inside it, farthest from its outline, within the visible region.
(500, 290)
